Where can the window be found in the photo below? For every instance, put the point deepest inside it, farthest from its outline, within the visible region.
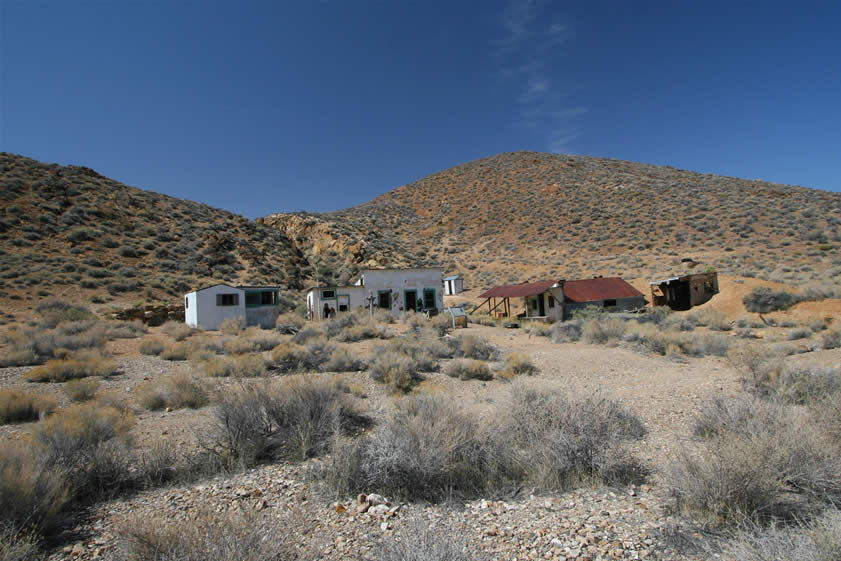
(708, 287)
(252, 299)
(227, 299)
(384, 299)
(533, 304)
(551, 301)
(429, 298)
(343, 307)
(186, 303)
(328, 293)
(610, 303)
(267, 298)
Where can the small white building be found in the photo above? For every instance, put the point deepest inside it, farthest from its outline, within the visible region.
(396, 290)
(453, 284)
(208, 307)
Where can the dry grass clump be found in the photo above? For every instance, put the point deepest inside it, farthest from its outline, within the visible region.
(54, 311)
(289, 323)
(468, 369)
(473, 346)
(433, 449)
(295, 419)
(239, 366)
(178, 330)
(18, 406)
(566, 331)
(603, 331)
(232, 326)
(397, 370)
(712, 318)
(360, 332)
(419, 541)
(79, 365)
(210, 535)
(289, 357)
(252, 341)
(758, 460)
(19, 545)
(178, 351)
(342, 360)
(175, 392)
(831, 339)
(82, 389)
(151, 347)
(809, 540)
(23, 357)
(517, 364)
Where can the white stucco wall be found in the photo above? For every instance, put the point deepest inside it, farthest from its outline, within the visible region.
(207, 315)
(190, 309)
(372, 281)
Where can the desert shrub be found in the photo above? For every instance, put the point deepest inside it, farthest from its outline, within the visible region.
(295, 419)
(18, 406)
(811, 540)
(468, 369)
(482, 319)
(763, 300)
(755, 457)
(807, 385)
(31, 493)
(419, 541)
(713, 319)
(603, 331)
(210, 535)
(307, 333)
(54, 311)
(178, 330)
(759, 365)
(264, 340)
(566, 331)
(124, 329)
(656, 315)
(24, 357)
(589, 313)
(82, 389)
(178, 351)
(79, 365)
(240, 345)
(517, 364)
(342, 360)
(799, 333)
(538, 329)
(152, 347)
(19, 545)
(831, 339)
(232, 326)
(555, 441)
(289, 323)
(175, 392)
(363, 331)
(706, 344)
(473, 346)
(428, 449)
(87, 443)
(397, 370)
(289, 357)
(241, 366)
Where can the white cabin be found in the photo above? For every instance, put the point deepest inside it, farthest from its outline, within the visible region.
(395, 290)
(453, 284)
(206, 308)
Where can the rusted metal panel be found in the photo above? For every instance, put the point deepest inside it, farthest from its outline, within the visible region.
(591, 290)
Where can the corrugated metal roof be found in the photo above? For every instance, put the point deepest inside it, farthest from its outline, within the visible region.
(518, 290)
(590, 290)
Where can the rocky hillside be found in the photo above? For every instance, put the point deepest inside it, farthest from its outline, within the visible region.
(70, 232)
(525, 215)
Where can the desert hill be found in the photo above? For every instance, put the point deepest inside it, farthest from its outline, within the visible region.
(70, 232)
(526, 215)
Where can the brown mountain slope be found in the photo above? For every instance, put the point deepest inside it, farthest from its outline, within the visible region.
(525, 215)
(70, 232)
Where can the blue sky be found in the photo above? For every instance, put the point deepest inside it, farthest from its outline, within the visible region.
(262, 107)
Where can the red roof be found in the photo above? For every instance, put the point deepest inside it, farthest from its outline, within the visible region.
(589, 290)
(518, 290)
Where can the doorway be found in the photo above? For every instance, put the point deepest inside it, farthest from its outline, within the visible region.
(410, 300)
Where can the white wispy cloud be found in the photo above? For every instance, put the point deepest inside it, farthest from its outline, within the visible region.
(529, 51)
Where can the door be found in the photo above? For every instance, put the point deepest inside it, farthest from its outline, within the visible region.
(541, 305)
(410, 300)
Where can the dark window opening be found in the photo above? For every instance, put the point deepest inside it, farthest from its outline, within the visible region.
(343, 307)
(328, 293)
(384, 300)
(708, 287)
(267, 298)
(551, 301)
(227, 299)
(610, 303)
(252, 298)
(429, 298)
(534, 304)
(186, 303)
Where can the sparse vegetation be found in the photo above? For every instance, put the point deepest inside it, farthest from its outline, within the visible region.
(468, 369)
(79, 365)
(18, 406)
(175, 392)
